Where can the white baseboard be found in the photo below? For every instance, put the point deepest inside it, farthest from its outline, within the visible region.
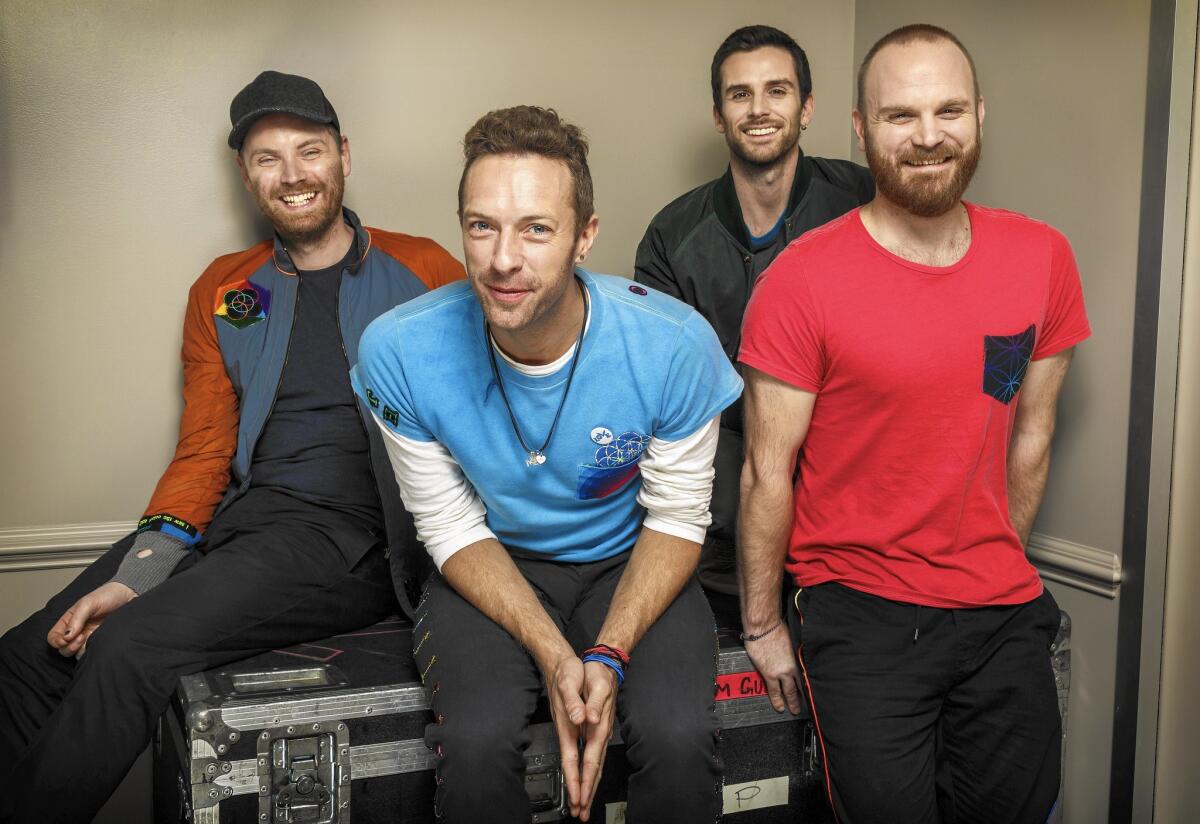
(1084, 567)
(77, 545)
(65, 546)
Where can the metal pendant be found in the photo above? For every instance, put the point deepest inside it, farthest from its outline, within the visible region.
(536, 458)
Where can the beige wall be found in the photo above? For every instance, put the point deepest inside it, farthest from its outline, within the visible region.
(1064, 146)
(1176, 791)
(117, 187)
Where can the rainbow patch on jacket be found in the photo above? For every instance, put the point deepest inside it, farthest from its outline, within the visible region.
(242, 304)
(616, 463)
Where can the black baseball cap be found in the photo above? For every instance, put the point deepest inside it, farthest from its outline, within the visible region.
(273, 92)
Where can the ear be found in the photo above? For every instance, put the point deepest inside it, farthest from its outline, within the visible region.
(345, 152)
(806, 111)
(979, 107)
(860, 125)
(241, 164)
(717, 121)
(586, 238)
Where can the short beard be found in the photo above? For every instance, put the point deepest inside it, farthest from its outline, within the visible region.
(308, 231)
(926, 198)
(790, 139)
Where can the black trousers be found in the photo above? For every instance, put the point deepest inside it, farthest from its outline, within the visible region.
(70, 730)
(484, 688)
(932, 715)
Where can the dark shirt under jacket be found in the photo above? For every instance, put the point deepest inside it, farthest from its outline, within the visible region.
(314, 447)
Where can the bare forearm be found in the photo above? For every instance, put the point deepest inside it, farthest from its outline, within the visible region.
(485, 575)
(777, 419)
(1028, 468)
(764, 523)
(1029, 446)
(657, 570)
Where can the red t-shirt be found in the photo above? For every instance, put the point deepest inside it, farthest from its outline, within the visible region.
(902, 490)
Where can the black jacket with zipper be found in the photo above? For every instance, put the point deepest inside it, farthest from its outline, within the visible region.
(697, 249)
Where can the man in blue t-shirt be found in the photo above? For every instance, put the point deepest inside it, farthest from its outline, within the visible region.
(552, 432)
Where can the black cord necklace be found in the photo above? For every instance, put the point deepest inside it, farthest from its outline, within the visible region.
(537, 457)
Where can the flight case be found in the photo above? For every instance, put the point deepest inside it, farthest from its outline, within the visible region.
(332, 732)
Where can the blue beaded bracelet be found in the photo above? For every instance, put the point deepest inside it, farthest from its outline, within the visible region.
(613, 665)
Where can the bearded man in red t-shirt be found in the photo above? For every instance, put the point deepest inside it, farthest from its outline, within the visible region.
(910, 355)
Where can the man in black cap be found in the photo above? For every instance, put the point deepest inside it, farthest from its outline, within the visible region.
(708, 246)
(274, 522)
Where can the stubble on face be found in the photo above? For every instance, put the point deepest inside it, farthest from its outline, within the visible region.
(761, 155)
(285, 156)
(925, 194)
(308, 227)
(546, 294)
(521, 242)
(748, 73)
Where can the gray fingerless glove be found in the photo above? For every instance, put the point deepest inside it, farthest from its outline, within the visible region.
(143, 574)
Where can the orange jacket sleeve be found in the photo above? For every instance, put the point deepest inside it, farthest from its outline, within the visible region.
(198, 475)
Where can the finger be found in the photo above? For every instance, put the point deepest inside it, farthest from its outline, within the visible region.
(80, 613)
(588, 790)
(574, 707)
(775, 693)
(86, 636)
(599, 699)
(57, 636)
(594, 752)
(81, 638)
(791, 693)
(591, 795)
(568, 748)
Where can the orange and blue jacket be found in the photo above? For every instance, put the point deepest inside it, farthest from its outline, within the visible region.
(236, 335)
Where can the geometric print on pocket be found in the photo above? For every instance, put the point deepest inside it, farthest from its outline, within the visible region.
(1005, 359)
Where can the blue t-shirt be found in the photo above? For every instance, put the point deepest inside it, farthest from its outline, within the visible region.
(649, 366)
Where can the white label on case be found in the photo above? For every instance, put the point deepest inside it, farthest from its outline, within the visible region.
(614, 813)
(755, 795)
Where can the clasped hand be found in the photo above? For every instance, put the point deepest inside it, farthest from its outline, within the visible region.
(582, 701)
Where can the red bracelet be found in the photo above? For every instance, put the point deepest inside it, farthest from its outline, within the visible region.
(612, 652)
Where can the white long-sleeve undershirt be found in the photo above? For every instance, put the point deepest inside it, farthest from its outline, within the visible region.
(676, 489)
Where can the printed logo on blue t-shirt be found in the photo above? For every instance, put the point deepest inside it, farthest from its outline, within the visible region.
(616, 463)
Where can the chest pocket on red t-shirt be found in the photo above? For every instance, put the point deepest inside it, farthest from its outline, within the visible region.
(1005, 359)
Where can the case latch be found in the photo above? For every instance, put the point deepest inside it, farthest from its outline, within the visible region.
(304, 774)
(544, 786)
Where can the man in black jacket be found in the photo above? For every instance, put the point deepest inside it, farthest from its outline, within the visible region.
(709, 246)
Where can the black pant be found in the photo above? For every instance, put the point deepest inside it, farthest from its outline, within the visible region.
(932, 715)
(70, 730)
(484, 688)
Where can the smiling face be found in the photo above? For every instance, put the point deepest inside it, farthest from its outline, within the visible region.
(296, 170)
(922, 125)
(760, 113)
(521, 245)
